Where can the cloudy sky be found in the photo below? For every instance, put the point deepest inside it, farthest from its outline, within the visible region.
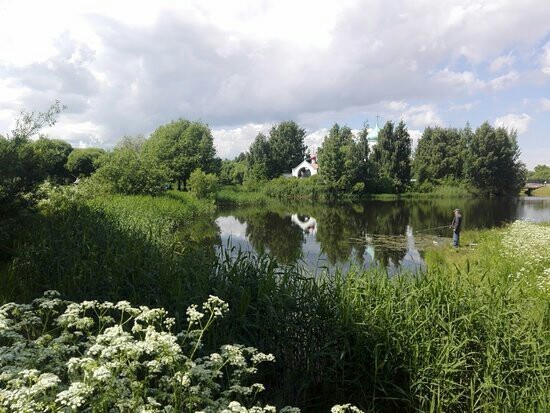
(126, 67)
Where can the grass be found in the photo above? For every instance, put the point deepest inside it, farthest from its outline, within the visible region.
(544, 191)
(472, 333)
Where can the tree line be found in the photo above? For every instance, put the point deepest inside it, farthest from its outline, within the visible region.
(486, 159)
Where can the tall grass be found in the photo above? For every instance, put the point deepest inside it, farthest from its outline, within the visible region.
(464, 336)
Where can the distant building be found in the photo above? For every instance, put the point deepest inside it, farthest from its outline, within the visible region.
(372, 137)
(305, 168)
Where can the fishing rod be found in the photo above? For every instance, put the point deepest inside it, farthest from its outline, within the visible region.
(429, 229)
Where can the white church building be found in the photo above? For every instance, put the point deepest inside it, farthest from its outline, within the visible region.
(305, 168)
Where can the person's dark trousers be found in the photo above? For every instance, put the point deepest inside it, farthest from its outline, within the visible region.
(456, 239)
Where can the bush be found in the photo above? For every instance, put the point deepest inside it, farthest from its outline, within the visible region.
(127, 172)
(99, 356)
(203, 185)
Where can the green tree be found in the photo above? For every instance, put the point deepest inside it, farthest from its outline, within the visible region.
(20, 166)
(180, 147)
(392, 155)
(127, 171)
(340, 159)
(52, 155)
(363, 149)
(439, 155)
(84, 161)
(540, 173)
(287, 146)
(232, 172)
(132, 142)
(260, 160)
(492, 161)
(203, 185)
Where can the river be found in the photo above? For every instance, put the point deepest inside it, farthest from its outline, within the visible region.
(392, 234)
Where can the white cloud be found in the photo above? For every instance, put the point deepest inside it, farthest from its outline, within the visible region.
(465, 107)
(513, 121)
(231, 142)
(466, 80)
(502, 62)
(545, 104)
(545, 59)
(421, 116)
(396, 105)
(314, 139)
(126, 67)
(504, 81)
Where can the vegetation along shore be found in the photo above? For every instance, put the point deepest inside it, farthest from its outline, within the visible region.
(117, 295)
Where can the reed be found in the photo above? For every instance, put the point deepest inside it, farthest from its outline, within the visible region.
(471, 333)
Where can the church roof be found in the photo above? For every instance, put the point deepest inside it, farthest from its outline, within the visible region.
(373, 134)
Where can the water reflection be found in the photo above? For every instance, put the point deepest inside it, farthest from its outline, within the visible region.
(385, 233)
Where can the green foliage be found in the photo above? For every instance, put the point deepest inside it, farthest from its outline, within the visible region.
(29, 124)
(84, 162)
(180, 147)
(392, 155)
(312, 187)
(492, 161)
(203, 185)
(127, 171)
(52, 155)
(439, 155)
(341, 162)
(260, 163)
(286, 141)
(540, 173)
(389, 343)
(21, 166)
(232, 172)
(58, 355)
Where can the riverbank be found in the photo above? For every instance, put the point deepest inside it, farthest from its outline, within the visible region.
(544, 191)
(451, 338)
(293, 189)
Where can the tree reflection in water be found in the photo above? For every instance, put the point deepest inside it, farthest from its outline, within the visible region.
(352, 232)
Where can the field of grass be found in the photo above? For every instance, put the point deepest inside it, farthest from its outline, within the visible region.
(544, 191)
(471, 333)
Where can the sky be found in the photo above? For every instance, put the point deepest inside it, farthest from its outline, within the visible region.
(127, 67)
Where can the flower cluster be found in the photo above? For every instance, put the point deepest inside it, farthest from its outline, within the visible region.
(528, 244)
(58, 355)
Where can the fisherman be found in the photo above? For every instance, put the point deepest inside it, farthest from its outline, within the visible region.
(456, 225)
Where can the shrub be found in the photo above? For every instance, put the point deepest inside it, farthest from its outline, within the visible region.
(100, 356)
(203, 185)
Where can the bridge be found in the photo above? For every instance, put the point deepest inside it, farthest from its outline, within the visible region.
(531, 186)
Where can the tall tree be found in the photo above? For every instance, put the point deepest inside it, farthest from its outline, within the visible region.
(339, 158)
(492, 161)
(287, 146)
(439, 154)
(364, 152)
(260, 165)
(392, 154)
(52, 155)
(181, 147)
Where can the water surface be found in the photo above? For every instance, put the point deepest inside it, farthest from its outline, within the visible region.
(391, 234)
